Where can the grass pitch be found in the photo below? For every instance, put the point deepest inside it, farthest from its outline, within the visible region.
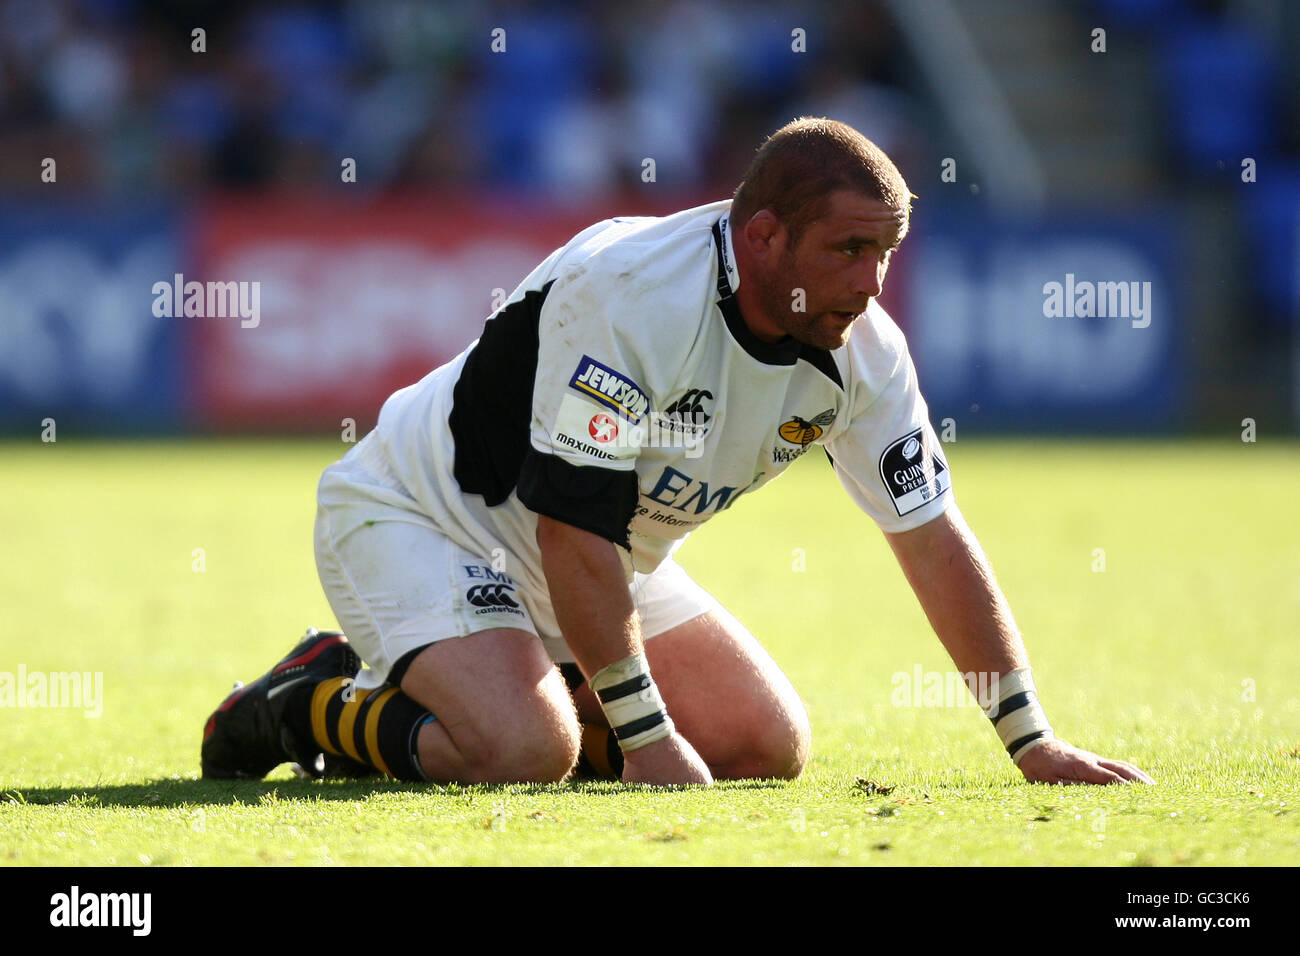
(1155, 583)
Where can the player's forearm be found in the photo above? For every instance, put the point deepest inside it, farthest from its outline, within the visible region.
(954, 583)
(589, 593)
(594, 609)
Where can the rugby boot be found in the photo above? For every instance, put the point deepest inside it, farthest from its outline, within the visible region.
(345, 768)
(247, 737)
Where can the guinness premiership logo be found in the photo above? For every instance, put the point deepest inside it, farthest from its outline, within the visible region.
(803, 433)
(913, 472)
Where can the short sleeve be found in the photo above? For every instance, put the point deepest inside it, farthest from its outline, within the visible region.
(887, 455)
(588, 408)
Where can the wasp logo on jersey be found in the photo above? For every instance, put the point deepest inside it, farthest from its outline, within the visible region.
(913, 472)
(612, 389)
(803, 433)
(799, 432)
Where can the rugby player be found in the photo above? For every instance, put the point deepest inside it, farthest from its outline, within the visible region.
(517, 509)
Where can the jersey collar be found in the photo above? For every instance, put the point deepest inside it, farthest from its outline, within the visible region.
(783, 352)
(726, 262)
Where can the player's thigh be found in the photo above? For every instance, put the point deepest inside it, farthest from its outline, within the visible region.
(726, 695)
(729, 698)
(500, 699)
(723, 689)
(453, 632)
(397, 583)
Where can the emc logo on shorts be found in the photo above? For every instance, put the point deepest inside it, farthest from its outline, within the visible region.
(495, 596)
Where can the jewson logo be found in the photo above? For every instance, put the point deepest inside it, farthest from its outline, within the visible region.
(74, 908)
(1114, 300)
(923, 688)
(612, 389)
(72, 689)
(219, 300)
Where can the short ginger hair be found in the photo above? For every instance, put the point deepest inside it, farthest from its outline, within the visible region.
(801, 164)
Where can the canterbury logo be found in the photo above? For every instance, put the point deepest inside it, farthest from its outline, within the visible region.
(490, 595)
(690, 407)
(803, 433)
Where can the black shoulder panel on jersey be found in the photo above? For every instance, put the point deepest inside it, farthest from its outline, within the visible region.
(824, 362)
(598, 500)
(492, 403)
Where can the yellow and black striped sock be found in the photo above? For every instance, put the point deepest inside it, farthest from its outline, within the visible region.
(377, 728)
(601, 756)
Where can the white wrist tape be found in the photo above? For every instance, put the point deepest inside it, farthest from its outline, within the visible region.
(1018, 716)
(632, 703)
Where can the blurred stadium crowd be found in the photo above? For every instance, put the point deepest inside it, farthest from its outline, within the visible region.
(1141, 155)
(585, 91)
(413, 91)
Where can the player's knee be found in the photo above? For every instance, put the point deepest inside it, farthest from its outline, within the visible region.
(799, 745)
(784, 747)
(541, 748)
(774, 745)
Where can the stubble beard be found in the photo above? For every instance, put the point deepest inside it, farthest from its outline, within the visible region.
(825, 330)
(821, 330)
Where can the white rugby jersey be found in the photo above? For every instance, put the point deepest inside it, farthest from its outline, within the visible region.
(619, 390)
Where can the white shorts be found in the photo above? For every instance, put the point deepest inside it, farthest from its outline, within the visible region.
(397, 582)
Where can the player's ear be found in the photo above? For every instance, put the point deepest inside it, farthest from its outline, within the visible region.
(761, 231)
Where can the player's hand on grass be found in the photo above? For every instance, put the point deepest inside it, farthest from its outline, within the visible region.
(669, 761)
(1059, 762)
